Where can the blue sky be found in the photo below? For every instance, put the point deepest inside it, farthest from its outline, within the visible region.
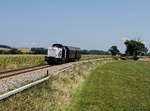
(89, 24)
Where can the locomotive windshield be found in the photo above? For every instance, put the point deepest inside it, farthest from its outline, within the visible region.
(57, 45)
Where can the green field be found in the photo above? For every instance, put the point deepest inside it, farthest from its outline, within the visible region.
(117, 86)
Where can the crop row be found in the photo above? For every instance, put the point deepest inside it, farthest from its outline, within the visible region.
(8, 62)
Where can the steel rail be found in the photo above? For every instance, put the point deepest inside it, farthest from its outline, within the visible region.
(21, 71)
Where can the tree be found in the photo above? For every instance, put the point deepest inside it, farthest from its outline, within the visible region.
(114, 50)
(135, 48)
(3, 52)
(38, 50)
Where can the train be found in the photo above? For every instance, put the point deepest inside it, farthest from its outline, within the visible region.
(59, 54)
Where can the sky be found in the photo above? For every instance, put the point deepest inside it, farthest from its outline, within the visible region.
(88, 24)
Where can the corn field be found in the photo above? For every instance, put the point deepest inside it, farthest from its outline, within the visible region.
(8, 62)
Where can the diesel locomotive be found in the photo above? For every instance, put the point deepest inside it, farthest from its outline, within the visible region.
(59, 54)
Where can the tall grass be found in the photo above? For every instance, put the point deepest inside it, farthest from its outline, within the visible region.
(8, 62)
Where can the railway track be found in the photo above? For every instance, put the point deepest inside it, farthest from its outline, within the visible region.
(15, 72)
(18, 83)
(20, 71)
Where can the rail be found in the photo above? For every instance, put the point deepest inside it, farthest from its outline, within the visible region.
(21, 71)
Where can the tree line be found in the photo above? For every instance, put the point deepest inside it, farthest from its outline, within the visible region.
(96, 52)
(10, 51)
(44, 51)
(17, 51)
(134, 48)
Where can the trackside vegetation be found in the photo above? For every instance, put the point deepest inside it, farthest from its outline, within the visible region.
(53, 95)
(116, 86)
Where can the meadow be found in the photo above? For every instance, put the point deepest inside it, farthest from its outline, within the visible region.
(116, 86)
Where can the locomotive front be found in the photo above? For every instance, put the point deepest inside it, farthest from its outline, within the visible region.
(55, 53)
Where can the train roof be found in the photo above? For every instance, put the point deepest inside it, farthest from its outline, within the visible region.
(68, 47)
(72, 48)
